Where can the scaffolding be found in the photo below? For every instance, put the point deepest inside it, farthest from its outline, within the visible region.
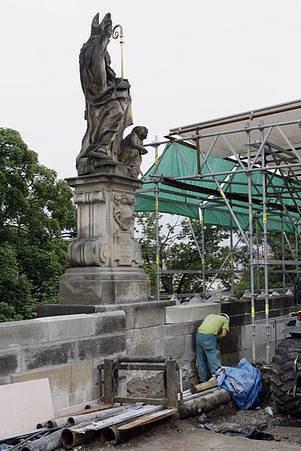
(264, 147)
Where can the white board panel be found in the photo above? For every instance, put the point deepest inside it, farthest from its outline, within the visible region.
(23, 405)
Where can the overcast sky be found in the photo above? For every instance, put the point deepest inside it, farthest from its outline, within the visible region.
(187, 61)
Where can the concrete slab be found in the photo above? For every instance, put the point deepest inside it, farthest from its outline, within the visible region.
(190, 313)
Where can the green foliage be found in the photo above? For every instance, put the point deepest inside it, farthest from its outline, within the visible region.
(36, 218)
(178, 250)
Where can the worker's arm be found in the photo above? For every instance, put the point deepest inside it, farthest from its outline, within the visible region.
(223, 333)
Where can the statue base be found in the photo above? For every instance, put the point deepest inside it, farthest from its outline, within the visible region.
(101, 286)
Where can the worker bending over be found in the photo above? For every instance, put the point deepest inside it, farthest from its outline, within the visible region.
(213, 327)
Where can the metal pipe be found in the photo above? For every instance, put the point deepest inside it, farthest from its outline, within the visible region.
(47, 443)
(157, 240)
(86, 432)
(237, 171)
(200, 394)
(251, 255)
(265, 254)
(283, 255)
(202, 219)
(117, 434)
(202, 404)
(101, 415)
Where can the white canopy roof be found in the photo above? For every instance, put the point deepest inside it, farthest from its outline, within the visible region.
(278, 114)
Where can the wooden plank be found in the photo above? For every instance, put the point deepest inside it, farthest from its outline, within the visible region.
(171, 383)
(147, 419)
(23, 405)
(108, 393)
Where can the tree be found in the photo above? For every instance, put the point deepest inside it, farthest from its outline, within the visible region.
(178, 250)
(37, 217)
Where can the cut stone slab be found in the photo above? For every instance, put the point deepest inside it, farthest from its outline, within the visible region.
(190, 313)
(95, 285)
(66, 327)
(138, 314)
(23, 406)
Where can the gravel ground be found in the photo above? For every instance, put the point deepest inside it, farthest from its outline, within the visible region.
(191, 435)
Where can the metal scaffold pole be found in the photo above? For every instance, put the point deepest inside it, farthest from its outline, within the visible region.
(251, 254)
(265, 252)
(203, 249)
(283, 255)
(157, 214)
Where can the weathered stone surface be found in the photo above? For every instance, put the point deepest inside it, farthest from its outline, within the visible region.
(22, 332)
(145, 384)
(81, 375)
(149, 315)
(8, 363)
(37, 357)
(110, 322)
(187, 313)
(59, 378)
(180, 348)
(89, 393)
(63, 309)
(94, 285)
(69, 326)
(174, 330)
(101, 346)
(232, 341)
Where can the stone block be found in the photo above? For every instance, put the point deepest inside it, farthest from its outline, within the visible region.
(59, 378)
(175, 330)
(37, 357)
(81, 375)
(104, 285)
(66, 327)
(140, 314)
(110, 322)
(22, 333)
(232, 341)
(45, 310)
(186, 313)
(89, 393)
(147, 315)
(146, 334)
(8, 363)
(101, 346)
(141, 348)
(180, 348)
(60, 401)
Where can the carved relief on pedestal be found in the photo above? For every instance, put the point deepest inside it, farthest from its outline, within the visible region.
(123, 210)
(89, 252)
(89, 197)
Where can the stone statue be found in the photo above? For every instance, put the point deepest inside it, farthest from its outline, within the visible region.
(105, 258)
(131, 149)
(108, 102)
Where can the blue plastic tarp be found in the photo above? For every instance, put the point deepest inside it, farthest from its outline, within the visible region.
(243, 382)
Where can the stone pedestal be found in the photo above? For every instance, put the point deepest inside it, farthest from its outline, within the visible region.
(105, 257)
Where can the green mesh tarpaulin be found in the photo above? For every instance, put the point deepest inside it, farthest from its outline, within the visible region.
(185, 197)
